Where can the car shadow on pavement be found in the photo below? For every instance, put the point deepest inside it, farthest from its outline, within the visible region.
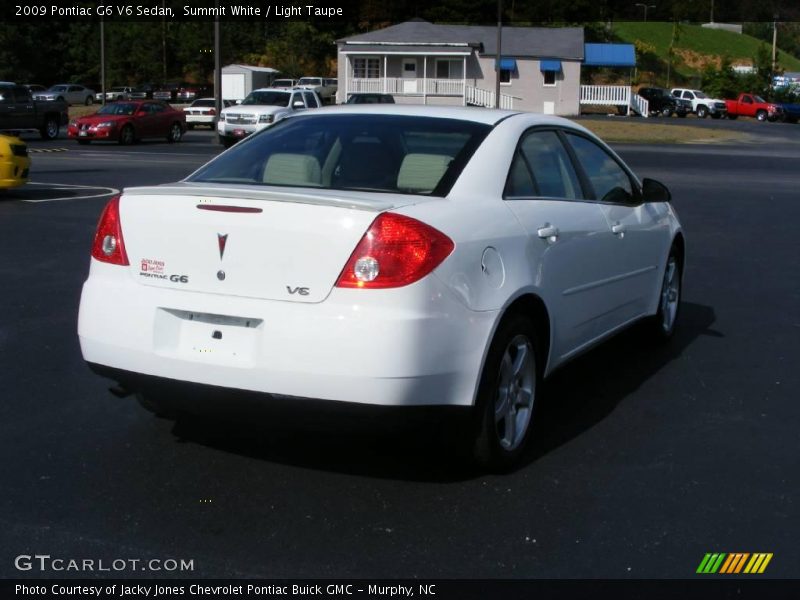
(425, 445)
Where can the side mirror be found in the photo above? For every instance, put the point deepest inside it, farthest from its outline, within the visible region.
(654, 191)
(298, 104)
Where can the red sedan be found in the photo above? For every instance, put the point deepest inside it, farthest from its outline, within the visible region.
(128, 122)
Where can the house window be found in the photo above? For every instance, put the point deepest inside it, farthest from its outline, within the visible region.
(505, 75)
(549, 77)
(449, 69)
(366, 68)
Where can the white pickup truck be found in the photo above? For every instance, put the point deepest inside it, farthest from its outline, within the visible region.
(261, 109)
(324, 86)
(702, 105)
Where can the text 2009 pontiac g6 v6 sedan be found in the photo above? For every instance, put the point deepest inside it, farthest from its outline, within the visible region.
(384, 255)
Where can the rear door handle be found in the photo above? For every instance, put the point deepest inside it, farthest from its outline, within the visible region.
(618, 229)
(548, 232)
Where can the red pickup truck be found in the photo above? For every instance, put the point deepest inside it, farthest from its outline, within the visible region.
(750, 105)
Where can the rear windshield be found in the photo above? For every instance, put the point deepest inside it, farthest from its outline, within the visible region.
(379, 153)
(310, 81)
(268, 99)
(204, 102)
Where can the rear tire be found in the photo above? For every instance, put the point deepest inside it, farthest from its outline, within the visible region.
(50, 129)
(175, 133)
(89, 100)
(506, 395)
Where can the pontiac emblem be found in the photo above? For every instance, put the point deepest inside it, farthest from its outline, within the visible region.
(222, 240)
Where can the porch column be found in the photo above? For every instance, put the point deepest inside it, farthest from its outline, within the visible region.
(346, 76)
(424, 79)
(385, 62)
(464, 83)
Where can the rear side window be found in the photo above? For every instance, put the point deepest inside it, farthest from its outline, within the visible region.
(542, 168)
(369, 152)
(611, 183)
(311, 101)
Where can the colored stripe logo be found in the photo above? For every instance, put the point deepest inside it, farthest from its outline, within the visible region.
(734, 563)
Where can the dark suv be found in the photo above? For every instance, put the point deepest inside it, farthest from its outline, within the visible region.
(662, 102)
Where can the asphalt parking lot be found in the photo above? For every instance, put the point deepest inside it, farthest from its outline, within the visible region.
(644, 458)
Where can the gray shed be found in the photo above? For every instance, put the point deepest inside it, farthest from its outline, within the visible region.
(240, 80)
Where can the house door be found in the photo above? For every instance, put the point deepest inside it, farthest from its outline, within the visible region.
(410, 76)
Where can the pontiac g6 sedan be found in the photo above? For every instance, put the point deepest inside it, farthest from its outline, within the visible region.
(394, 255)
(129, 122)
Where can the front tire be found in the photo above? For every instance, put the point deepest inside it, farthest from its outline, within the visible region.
(761, 115)
(126, 136)
(506, 395)
(89, 100)
(666, 112)
(702, 112)
(669, 299)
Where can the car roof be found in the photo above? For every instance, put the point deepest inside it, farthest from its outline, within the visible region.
(269, 89)
(488, 116)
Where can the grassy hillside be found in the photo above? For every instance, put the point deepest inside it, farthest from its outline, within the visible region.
(697, 46)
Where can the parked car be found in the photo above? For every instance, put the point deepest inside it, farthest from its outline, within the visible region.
(129, 121)
(357, 261)
(751, 105)
(701, 104)
(323, 86)
(284, 83)
(203, 112)
(791, 112)
(71, 93)
(19, 112)
(122, 92)
(168, 92)
(661, 102)
(34, 88)
(369, 98)
(260, 109)
(143, 92)
(14, 162)
(191, 92)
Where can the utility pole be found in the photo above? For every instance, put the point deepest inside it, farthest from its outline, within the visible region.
(103, 61)
(217, 71)
(774, 45)
(499, 53)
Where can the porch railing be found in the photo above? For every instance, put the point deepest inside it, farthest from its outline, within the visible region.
(614, 95)
(406, 86)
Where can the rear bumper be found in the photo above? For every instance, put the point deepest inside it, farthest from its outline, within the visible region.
(413, 346)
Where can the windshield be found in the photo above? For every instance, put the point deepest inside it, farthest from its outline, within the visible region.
(118, 89)
(118, 108)
(268, 99)
(699, 94)
(759, 99)
(310, 81)
(370, 152)
(204, 102)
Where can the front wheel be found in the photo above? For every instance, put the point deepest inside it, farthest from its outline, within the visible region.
(669, 300)
(666, 112)
(702, 112)
(506, 395)
(761, 115)
(126, 136)
(89, 100)
(175, 133)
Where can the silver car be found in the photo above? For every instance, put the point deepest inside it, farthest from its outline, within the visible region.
(70, 92)
(115, 94)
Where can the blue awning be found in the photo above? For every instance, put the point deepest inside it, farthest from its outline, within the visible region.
(609, 55)
(507, 64)
(549, 64)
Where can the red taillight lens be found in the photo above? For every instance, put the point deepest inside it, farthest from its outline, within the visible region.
(212, 111)
(395, 251)
(108, 244)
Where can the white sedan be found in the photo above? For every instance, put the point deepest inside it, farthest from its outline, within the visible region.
(390, 255)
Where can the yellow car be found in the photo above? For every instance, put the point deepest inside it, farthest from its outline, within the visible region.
(14, 162)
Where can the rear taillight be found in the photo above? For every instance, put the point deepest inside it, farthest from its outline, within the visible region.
(108, 243)
(212, 111)
(395, 251)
